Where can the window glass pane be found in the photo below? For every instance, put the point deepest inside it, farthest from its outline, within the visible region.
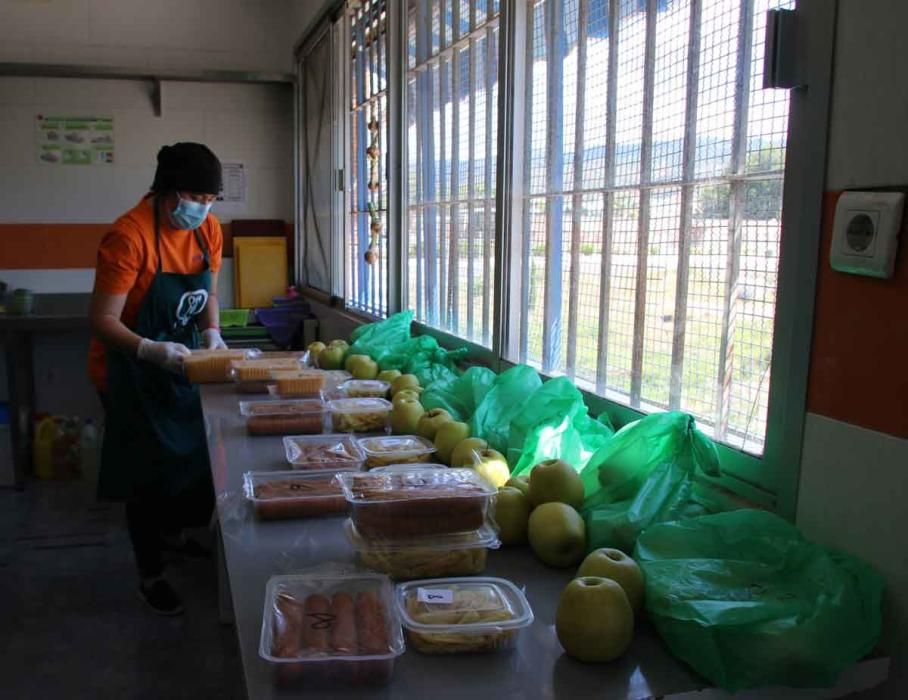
(652, 205)
(452, 121)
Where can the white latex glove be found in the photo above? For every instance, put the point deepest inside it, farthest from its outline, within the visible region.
(163, 354)
(212, 340)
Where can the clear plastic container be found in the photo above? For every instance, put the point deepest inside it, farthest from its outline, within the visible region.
(325, 453)
(417, 503)
(290, 417)
(462, 554)
(253, 376)
(457, 615)
(398, 468)
(383, 450)
(293, 494)
(213, 366)
(364, 389)
(302, 383)
(321, 629)
(334, 378)
(359, 415)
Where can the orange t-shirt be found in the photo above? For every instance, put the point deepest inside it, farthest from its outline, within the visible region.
(127, 262)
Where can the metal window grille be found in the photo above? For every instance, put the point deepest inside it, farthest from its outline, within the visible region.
(366, 247)
(653, 164)
(451, 123)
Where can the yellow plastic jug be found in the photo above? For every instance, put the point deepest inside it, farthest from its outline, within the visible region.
(46, 434)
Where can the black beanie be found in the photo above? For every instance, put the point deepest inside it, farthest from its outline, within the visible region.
(187, 167)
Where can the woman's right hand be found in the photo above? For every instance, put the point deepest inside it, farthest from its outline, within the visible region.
(163, 354)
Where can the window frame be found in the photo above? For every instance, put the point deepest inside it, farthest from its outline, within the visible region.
(770, 480)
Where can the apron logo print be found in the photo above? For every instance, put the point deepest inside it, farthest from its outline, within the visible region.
(191, 304)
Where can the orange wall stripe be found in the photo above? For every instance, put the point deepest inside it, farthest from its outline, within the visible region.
(859, 359)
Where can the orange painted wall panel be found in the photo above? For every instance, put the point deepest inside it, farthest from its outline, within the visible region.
(859, 359)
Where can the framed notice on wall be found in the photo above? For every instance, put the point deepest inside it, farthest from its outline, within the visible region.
(74, 140)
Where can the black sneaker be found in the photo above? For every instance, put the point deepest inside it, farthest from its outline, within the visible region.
(160, 597)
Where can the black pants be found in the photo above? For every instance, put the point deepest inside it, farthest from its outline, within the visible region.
(150, 519)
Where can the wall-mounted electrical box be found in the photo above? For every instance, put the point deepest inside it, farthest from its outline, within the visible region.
(865, 233)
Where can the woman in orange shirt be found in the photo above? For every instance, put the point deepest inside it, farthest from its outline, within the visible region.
(155, 298)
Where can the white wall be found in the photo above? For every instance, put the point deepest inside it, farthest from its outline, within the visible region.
(854, 481)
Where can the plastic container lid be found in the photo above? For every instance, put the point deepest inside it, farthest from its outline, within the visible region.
(412, 466)
(365, 386)
(436, 483)
(253, 479)
(485, 537)
(287, 407)
(464, 605)
(324, 452)
(394, 446)
(299, 586)
(354, 406)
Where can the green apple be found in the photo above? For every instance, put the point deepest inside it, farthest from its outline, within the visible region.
(338, 343)
(555, 480)
(432, 421)
(447, 437)
(315, 348)
(405, 416)
(616, 565)
(331, 357)
(594, 621)
(404, 381)
(512, 515)
(557, 534)
(388, 375)
(361, 367)
(464, 452)
(405, 394)
(521, 483)
(492, 466)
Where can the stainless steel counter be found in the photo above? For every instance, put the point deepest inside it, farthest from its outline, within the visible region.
(537, 668)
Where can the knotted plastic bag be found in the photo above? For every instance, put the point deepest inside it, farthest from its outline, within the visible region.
(747, 602)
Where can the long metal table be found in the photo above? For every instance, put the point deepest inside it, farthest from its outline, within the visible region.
(253, 551)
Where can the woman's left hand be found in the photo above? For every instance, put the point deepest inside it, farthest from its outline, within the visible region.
(212, 340)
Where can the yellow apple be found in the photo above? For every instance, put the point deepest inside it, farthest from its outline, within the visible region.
(492, 466)
(405, 394)
(404, 381)
(315, 348)
(616, 565)
(521, 483)
(405, 416)
(512, 515)
(338, 343)
(464, 452)
(447, 437)
(331, 357)
(388, 375)
(361, 367)
(555, 480)
(557, 534)
(594, 621)
(432, 421)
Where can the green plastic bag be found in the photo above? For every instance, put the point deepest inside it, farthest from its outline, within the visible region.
(617, 471)
(374, 337)
(504, 399)
(666, 494)
(459, 396)
(748, 602)
(553, 424)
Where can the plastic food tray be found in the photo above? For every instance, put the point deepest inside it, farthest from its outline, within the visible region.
(293, 494)
(330, 629)
(304, 383)
(415, 503)
(289, 417)
(326, 453)
(462, 615)
(364, 389)
(462, 554)
(383, 450)
(359, 415)
(334, 378)
(398, 468)
(212, 366)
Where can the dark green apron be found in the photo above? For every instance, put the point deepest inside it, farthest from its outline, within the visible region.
(154, 438)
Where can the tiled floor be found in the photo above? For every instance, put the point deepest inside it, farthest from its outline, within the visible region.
(72, 624)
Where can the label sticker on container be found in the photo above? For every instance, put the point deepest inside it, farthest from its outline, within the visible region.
(435, 595)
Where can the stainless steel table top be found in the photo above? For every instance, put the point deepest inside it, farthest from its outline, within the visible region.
(537, 668)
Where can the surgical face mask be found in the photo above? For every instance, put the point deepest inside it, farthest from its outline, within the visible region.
(189, 214)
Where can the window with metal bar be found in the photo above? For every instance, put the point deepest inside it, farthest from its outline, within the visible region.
(451, 123)
(366, 272)
(650, 216)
